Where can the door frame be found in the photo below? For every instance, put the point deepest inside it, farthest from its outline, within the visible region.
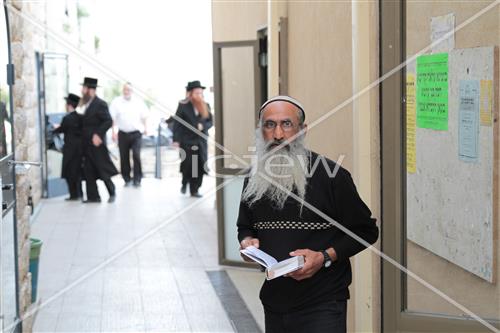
(41, 123)
(219, 137)
(395, 318)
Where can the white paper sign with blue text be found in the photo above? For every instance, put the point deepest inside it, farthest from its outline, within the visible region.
(468, 121)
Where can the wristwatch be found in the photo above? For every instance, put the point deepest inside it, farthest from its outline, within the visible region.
(327, 261)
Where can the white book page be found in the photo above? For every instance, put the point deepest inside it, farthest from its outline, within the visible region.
(284, 267)
(259, 256)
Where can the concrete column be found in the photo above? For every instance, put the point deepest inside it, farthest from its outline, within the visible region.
(365, 148)
(25, 39)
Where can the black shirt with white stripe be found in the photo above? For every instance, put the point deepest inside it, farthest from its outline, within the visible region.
(281, 231)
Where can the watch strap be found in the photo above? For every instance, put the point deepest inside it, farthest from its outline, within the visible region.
(326, 257)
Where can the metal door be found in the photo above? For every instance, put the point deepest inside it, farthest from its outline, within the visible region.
(9, 308)
(237, 84)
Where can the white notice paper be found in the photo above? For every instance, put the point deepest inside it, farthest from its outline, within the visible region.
(440, 27)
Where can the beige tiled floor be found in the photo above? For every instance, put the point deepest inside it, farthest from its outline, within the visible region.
(158, 285)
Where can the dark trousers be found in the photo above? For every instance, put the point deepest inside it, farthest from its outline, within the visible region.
(126, 142)
(74, 188)
(93, 193)
(192, 169)
(91, 182)
(325, 317)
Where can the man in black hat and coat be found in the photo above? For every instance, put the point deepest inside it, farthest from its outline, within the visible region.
(71, 127)
(192, 140)
(97, 162)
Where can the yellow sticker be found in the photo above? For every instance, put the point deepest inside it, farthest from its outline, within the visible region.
(411, 125)
(486, 102)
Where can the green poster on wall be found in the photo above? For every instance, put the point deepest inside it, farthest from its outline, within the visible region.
(432, 91)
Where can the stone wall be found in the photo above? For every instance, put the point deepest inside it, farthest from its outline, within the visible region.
(25, 40)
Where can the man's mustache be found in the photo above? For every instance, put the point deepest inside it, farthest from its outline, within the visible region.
(275, 143)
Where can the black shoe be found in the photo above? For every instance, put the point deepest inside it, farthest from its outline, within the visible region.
(92, 201)
(112, 199)
(73, 199)
(183, 189)
(137, 184)
(196, 195)
(127, 183)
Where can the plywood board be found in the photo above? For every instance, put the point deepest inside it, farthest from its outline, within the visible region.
(451, 203)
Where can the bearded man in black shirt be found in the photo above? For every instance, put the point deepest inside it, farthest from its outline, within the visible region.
(273, 217)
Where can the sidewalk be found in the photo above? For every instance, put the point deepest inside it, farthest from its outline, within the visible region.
(169, 282)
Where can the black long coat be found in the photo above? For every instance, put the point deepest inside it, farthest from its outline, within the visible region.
(187, 137)
(97, 120)
(71, 127)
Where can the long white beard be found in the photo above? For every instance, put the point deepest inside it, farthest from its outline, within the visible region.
(285, 167)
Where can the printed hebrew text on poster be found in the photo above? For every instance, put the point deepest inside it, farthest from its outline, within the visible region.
(468, 120)
(411, 125)
(432, 91)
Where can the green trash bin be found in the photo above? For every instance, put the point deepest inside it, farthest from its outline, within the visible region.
(36, 246)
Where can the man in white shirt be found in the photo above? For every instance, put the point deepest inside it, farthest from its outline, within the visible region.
(129, 117)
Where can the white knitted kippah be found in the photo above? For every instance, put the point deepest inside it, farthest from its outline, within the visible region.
(283, 98)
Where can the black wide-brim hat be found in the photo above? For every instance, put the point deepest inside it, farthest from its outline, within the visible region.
(193, 85)
(72, 100)
(89, 82)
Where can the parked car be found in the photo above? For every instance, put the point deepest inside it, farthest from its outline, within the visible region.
(165, 138)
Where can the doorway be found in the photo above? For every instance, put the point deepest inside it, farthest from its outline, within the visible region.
(238, 89)
(409, 236)
(53, 81)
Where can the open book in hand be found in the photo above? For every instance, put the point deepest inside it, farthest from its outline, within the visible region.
(274, 268)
